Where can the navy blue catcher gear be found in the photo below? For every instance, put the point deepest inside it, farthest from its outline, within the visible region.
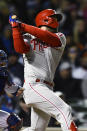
(14, 122)
(3, 62)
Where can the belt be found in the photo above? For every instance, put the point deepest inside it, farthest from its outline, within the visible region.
(44, 81)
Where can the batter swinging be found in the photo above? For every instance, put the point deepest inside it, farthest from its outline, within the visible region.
(42, 49)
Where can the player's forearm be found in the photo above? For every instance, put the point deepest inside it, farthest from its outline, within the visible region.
(49, 38)
(19, 44)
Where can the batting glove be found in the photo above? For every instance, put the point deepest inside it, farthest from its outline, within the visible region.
(13, 21)
(12, 18)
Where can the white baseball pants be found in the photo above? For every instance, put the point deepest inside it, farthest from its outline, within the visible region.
(45, 104)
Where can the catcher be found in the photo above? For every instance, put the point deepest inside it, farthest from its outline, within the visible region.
(8, 121)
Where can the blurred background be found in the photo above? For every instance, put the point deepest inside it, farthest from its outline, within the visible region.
(71, 74)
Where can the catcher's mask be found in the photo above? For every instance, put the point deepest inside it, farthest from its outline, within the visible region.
(47, 18)
(3, 60)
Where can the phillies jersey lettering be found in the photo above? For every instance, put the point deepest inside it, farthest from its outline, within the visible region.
(36, 45)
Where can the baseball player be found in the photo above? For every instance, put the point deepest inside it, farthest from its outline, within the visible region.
(8, 121)
(42, 48)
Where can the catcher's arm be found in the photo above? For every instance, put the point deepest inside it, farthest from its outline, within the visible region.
(14, 89)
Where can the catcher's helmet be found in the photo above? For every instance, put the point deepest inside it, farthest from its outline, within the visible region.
(46, 17)
(3, 60)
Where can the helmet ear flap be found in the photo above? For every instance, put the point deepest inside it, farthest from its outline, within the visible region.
(46, 20)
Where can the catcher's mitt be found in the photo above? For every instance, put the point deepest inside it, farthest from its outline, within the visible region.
(14, 122)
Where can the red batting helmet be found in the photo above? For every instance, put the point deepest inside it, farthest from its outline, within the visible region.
(46, 17)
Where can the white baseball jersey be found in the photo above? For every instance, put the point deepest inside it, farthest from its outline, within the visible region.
(40, 63)
(42, 60)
